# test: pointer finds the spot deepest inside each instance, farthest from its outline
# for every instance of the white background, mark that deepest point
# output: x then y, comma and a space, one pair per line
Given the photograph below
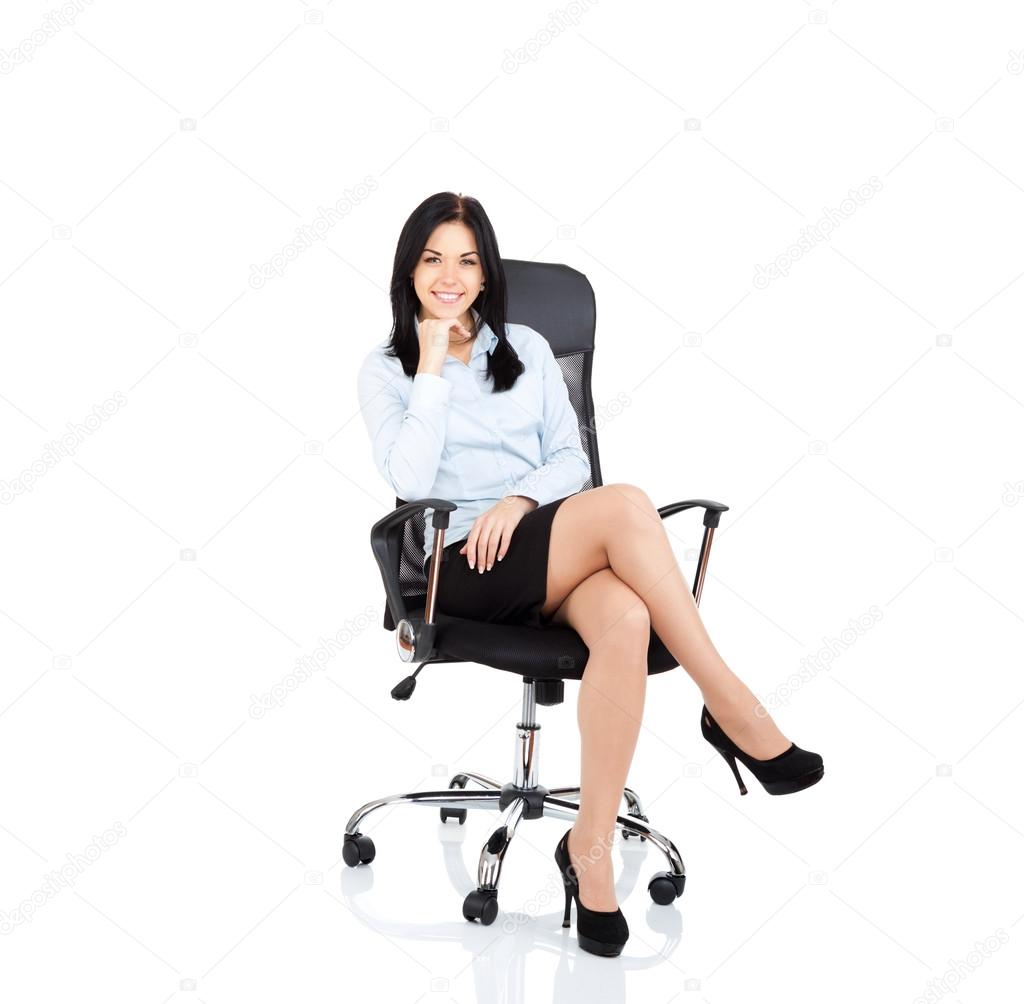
861, 415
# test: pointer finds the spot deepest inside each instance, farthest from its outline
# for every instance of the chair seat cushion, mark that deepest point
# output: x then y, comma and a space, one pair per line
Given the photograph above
555, 652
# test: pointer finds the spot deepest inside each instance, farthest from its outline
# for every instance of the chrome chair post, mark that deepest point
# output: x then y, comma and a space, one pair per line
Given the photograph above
527, 755
435, 571
702, 563
528, 716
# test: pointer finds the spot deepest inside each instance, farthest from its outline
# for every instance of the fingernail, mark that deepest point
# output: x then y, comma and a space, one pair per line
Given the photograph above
471, 563
489, 567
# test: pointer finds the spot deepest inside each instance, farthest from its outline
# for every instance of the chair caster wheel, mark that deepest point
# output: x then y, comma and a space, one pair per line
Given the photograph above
629, 834
665, 887
481, 905
358, 850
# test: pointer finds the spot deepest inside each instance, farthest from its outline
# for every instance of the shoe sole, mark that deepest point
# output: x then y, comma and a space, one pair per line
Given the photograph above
794, 784
597, 947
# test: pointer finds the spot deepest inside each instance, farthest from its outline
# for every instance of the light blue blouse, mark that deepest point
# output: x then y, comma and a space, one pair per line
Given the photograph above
451, 437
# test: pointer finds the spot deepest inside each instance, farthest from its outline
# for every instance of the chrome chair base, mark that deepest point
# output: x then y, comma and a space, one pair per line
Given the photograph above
522, 798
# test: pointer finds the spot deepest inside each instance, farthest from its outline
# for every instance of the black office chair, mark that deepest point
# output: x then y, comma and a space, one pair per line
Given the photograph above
558, 302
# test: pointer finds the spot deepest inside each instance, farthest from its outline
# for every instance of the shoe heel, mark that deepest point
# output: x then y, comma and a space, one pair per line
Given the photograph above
568, 905
730, 759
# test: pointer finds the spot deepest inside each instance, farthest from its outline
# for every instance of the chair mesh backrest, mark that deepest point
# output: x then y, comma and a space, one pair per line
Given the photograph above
534, 285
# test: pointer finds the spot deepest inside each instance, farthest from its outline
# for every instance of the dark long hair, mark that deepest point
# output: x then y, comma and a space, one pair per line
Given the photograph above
503, 364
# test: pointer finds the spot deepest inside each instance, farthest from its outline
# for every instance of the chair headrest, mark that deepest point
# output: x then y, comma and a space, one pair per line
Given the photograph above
555, 300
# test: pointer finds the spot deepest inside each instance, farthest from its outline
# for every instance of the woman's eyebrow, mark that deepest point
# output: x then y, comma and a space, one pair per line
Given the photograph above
463, 255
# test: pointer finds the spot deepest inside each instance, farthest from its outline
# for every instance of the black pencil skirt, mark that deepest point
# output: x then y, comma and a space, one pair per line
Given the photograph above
514, 590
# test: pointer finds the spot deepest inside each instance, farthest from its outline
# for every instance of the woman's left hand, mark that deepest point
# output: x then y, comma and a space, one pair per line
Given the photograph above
492, 531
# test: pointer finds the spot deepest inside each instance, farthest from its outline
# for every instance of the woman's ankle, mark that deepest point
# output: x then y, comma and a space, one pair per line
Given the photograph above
734, 699
746, 721
590, 856
589, 841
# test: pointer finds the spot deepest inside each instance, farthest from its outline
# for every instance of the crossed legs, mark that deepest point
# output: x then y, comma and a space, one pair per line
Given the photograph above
612, 575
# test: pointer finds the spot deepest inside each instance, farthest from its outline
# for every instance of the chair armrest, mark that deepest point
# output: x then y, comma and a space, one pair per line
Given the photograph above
712, 515
712, 510
386, 542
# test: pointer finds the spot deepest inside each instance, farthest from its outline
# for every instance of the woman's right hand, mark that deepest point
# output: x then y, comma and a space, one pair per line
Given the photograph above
434, 342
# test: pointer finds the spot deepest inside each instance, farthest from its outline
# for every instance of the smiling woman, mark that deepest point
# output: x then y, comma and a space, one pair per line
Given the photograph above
459, 404
449, 278
462, 405
451, 437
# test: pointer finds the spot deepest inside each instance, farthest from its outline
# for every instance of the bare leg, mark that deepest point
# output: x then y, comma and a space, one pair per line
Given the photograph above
617, 526
616, 628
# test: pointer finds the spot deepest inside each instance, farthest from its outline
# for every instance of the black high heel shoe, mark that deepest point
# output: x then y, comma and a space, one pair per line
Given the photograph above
792, 770
602, 932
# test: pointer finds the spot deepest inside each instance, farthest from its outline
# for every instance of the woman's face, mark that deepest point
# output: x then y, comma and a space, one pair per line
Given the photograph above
449, 264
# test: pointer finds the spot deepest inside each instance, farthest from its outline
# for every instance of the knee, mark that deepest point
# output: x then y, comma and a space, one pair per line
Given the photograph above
632, 500
630, 627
